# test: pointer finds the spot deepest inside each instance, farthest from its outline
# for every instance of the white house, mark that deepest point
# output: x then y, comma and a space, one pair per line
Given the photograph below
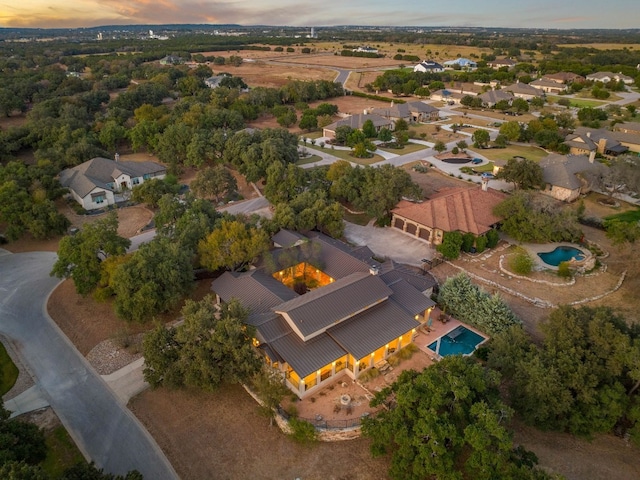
96, 183
429, 66
606, 77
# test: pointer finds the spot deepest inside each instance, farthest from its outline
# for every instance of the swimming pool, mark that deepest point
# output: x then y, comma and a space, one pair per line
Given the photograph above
561, 254
459, 341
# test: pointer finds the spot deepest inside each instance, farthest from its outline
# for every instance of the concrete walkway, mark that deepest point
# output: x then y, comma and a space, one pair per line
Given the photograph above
28, 401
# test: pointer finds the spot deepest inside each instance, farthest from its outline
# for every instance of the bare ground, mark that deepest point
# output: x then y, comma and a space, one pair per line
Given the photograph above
221, 435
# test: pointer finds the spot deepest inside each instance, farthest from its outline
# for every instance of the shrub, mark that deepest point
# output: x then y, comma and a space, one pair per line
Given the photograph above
564, 271
302, 431
468, 240
481, 243
521, 263
369, 374
492, 238
407, 352
455, 150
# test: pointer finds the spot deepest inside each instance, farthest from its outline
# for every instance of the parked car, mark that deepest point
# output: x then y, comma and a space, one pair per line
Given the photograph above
488, 175
477, 161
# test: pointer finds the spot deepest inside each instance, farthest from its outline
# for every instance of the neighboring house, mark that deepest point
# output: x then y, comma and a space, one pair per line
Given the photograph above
366, 49
449, 96
589, 141
96, 183
410, 111
428, 66
564, 77
171, 60
465, 210
357, 313
356, 122
214, 82
463, 63
501, 62
564, 177
606, 77
628, 127
491, 97
548, 86
524, 91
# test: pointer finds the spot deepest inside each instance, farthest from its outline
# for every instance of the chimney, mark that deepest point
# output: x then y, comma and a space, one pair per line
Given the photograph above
374, 270
589, 134
592, 156
117, 157
485, 184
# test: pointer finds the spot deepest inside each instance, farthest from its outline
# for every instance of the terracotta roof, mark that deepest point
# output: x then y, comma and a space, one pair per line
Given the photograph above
468, 210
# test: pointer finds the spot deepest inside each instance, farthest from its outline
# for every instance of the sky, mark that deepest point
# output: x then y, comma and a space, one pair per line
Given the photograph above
472, 13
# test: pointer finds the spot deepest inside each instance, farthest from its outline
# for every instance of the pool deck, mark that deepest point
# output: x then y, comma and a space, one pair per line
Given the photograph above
535, 248
427, 335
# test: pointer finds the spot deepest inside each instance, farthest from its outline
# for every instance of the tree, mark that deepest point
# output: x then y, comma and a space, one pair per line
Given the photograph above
401, 125
480, 138
212, 347
462, 145
20, 441
451, 245
524, 174
520, 105
215, 181
439, 146
385, 135
511, 130
308, 122
153, 281
446, 422
80, 255
270, 388
369, 129
232, 245
88, 471
152, 190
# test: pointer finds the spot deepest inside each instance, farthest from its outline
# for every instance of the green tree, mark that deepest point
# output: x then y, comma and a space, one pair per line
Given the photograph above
451, 245
80, 255
309, 121
153, 281
270, 388
111, 134
524, 174
20, 441
369, 129
439, 146
216, 181
212, 347
152, 190
401, 125
232, 245
446, 422
385, 135
511, 130
480, 138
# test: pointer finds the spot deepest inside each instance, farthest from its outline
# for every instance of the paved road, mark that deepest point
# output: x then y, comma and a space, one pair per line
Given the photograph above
104, 429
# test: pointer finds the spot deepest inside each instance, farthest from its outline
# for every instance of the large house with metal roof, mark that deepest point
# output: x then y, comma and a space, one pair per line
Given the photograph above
411, 112
95, 183
322, 309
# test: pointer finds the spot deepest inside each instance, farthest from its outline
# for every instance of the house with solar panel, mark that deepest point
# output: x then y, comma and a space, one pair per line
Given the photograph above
324, 310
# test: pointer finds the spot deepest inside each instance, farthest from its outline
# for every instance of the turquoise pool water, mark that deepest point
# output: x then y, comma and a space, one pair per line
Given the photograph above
459, 341
561, 254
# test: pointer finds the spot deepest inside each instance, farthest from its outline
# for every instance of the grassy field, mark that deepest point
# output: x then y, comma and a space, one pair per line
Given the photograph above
309, 159
346, 155
62, 453
529, 152
629, 217
408, 148
359, 219
578, 102
8, 371
601, 46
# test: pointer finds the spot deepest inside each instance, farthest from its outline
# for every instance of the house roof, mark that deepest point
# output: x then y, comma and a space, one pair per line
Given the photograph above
609, 75
404, 110
628, 127
561, 170
502, 62
428, 65
287, 238
563, 77
522, 89
372, 329
258, 291
463, 62
320, 308
543, 82
494, 96
307, 357
465, 210
391, 271
595, 135
99, 172
357, 121
410, 299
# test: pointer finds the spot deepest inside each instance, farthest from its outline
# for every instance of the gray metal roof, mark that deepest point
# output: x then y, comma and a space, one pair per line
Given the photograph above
310, 356
373, 329
315, 311
287, 238
391, 271
409, 298
274, 328
256, 291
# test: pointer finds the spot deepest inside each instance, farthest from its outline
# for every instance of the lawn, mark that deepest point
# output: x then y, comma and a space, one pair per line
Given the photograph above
504, 154
309, 159
9, 372
62, 452
408, 148
578, 102
346, 155
629, 216
357, 218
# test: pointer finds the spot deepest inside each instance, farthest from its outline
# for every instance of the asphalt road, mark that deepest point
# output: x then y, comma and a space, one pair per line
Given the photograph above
104, 429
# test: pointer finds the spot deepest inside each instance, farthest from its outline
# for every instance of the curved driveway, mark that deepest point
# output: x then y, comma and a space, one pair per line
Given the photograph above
104, 429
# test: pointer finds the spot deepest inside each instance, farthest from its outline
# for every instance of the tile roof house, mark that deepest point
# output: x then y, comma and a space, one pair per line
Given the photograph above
95, 183
465, 210
491, 97
589, 141
353, 315
548, 86
428, 66
564, 77
356, 122
564, 177
606, 77
524, 91
501, 62
410, 111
